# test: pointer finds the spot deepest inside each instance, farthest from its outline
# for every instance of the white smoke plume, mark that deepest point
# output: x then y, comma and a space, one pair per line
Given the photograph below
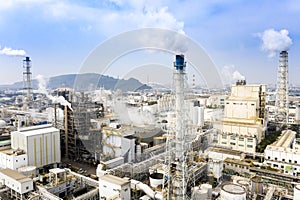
12, 52
230, 75
236, 75
274, 41
42, 83
133, 115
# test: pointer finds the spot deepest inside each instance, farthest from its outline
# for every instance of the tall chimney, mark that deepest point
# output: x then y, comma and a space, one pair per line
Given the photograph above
281, 101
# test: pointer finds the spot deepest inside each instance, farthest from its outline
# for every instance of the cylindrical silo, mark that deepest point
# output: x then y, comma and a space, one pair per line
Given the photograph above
200, 193
201, 116
207, 187
297, 115
296, 192
195, 115
138, 151
230, 191
28, 171
257, 185
244, 184
156, 179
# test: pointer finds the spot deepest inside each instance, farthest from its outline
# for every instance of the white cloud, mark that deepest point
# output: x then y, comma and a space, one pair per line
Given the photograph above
106, 19
230, 75
236, 75
6, 4
274, 41
12, 52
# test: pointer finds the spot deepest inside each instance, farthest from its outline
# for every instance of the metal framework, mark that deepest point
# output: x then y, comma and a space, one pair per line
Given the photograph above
281, 102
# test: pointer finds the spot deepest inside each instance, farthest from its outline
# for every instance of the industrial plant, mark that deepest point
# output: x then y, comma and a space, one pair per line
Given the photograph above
238, 143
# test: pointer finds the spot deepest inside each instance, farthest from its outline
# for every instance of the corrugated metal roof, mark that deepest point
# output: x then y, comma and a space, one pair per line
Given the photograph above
37, 130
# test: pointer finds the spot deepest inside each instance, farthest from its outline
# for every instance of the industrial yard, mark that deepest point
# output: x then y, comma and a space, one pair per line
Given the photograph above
149, 100
81, 148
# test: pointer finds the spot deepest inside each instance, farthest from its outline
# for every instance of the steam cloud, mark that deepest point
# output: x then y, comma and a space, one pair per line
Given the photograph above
42, 82
231, 75
132, 115
274, 41
12, 52
237, 76
176, 42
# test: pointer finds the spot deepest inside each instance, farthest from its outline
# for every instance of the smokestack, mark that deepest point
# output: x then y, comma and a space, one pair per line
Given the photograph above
27, 77
281, 102
179, 84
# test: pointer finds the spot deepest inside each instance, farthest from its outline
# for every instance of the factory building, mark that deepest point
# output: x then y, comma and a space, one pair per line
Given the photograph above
113, 187
19, 184
242, 127
41, 144
13, 159
297, 113
284, 154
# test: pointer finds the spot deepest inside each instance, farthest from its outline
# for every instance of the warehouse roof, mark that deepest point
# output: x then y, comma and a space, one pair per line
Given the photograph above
15, 175
37, 130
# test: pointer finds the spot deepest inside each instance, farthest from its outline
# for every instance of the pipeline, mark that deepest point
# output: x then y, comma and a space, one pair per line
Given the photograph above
137, 185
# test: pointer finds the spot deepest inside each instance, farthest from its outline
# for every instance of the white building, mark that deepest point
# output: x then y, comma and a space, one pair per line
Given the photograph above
284, 154
118, 141
16, 181
113, 187
242, 127
40, 143
13, 159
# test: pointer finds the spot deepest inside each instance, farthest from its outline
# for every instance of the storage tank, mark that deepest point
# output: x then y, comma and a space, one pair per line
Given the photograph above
28, 171
245, 184
257, 185
230, 191
201, 116
211, 179
296, 191
207, 187
200, 193
297, 114
156, 179
2, 123
138, 151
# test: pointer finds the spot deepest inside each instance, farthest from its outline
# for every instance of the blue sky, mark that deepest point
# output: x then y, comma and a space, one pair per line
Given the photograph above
59, 34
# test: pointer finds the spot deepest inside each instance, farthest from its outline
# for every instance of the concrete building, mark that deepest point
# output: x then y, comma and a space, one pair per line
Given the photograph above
233, 166
13, 159
40, 143
19, 184
242, 127
113, 187
284, 154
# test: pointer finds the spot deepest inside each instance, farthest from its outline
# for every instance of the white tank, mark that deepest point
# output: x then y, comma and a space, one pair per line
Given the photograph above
245, 184
2, 123
297, 114
232, 191
156, 179
28, 171
200, 193
296, 192
138, 150
207, 187
201, 116
256, 185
